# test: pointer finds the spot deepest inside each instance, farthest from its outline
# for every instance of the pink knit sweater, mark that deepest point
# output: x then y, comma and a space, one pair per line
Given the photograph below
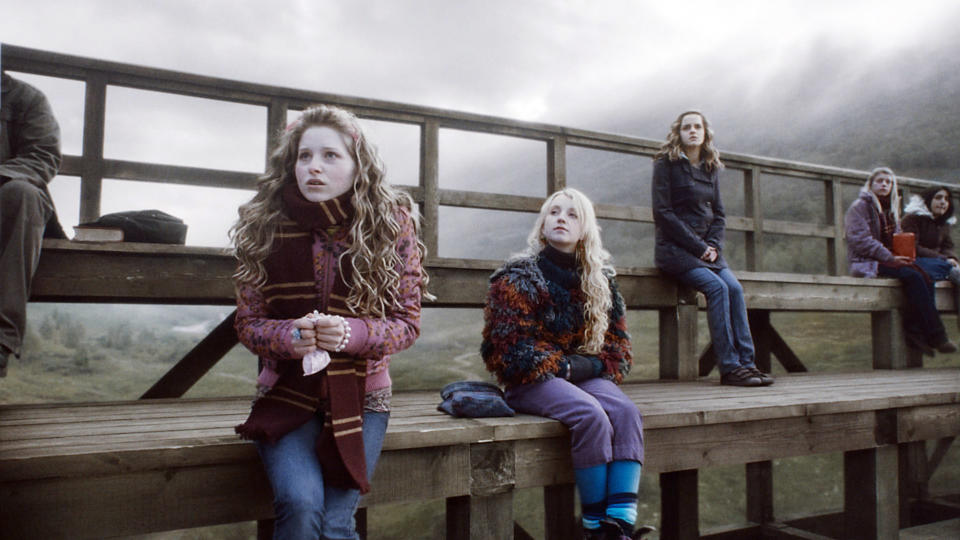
372, 338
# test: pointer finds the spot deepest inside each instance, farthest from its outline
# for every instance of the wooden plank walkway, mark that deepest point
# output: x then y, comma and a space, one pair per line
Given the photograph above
162, 460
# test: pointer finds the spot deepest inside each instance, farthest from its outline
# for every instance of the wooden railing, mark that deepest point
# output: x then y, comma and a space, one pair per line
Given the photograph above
92, 167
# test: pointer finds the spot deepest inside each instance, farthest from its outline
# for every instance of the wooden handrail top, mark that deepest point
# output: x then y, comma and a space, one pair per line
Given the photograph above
123, 272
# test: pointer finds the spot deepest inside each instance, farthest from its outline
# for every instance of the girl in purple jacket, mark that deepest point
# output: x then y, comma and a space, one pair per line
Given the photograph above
328, 287
871, 223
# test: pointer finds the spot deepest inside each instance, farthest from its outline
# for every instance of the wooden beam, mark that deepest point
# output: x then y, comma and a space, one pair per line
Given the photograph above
559, 521
430, 184
707, 361
889, 347
760, 491
556, 164
91, 177
834, 212
939, 452
196, 363
678, 342
752, 208
679, 505
871, 509
760, 330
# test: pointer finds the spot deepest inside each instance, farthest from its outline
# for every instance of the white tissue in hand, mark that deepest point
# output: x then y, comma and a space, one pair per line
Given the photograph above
315, 361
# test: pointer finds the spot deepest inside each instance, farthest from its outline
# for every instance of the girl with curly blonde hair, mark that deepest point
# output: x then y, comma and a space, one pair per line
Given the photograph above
555, 335
329, 285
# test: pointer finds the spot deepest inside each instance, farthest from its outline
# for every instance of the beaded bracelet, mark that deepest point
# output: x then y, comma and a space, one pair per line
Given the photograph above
345, 340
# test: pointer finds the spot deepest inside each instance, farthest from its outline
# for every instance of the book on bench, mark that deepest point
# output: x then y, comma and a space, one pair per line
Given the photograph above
97, 233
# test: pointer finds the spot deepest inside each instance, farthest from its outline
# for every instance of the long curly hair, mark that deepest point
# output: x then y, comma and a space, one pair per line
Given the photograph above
672, 149
374, 287
595, 267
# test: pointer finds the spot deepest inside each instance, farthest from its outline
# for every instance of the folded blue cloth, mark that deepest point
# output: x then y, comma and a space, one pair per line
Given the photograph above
473, 399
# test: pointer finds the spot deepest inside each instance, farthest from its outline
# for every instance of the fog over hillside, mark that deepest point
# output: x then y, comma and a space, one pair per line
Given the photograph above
834, 104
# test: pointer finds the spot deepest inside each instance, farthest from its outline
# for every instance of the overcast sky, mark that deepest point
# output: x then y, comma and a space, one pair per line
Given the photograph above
578, 63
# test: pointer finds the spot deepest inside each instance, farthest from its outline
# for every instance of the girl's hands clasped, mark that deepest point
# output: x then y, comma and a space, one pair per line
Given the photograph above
330, 331
320, 331
303, 339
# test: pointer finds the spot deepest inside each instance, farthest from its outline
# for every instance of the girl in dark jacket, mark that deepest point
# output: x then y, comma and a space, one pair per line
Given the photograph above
555, 335
929, 217
871, 222
690, 222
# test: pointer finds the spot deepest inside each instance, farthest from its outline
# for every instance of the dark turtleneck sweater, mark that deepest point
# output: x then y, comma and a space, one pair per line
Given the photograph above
562, 269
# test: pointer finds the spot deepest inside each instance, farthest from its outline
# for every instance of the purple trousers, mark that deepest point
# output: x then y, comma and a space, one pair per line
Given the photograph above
604, 424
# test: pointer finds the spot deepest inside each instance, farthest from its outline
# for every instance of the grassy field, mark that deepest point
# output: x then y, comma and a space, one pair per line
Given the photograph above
98, 353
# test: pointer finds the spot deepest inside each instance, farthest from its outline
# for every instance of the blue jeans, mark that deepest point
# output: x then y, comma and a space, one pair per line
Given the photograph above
937, 269
305, 508
726, 316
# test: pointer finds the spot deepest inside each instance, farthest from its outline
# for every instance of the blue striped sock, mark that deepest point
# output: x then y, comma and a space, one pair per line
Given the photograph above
623, 481
592, 485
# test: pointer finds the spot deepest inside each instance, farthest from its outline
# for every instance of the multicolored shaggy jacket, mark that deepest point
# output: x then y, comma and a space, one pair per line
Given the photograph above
372, 338
534, 316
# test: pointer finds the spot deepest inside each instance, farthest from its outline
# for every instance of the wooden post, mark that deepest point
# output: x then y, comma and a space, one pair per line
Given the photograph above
913, 476
759, 321
430, 183
678, 343
91, 176
760, 491
488, 511
751, 204
276, 122
558, 512
679, 511
556, 164
834, 212
870, 494
889, 348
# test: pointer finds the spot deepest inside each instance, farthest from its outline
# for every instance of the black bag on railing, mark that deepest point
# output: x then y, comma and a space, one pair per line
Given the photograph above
151, 226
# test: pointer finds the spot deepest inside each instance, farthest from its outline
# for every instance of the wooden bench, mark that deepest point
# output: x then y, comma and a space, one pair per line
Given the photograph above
104, 469
423, 440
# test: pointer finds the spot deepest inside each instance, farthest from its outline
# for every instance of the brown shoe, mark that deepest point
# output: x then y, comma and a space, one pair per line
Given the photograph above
917, 342
765, 378
740, 377
946, 347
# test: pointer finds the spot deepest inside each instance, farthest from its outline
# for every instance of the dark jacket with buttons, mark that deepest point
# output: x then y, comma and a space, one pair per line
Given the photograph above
688, 215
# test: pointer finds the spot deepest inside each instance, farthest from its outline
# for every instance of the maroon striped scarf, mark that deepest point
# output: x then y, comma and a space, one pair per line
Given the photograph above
291, 292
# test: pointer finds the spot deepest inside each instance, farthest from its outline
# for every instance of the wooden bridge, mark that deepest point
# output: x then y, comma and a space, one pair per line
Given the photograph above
94, 470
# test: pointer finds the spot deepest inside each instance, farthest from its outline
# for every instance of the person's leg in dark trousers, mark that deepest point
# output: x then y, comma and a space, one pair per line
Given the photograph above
24, 212
921, 318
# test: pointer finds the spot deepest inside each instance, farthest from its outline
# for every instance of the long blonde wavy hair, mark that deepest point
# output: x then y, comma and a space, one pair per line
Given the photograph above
672, 149
894, 193
374, 289
595, 267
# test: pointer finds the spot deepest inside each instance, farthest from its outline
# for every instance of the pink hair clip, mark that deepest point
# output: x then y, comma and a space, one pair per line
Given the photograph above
292, 125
